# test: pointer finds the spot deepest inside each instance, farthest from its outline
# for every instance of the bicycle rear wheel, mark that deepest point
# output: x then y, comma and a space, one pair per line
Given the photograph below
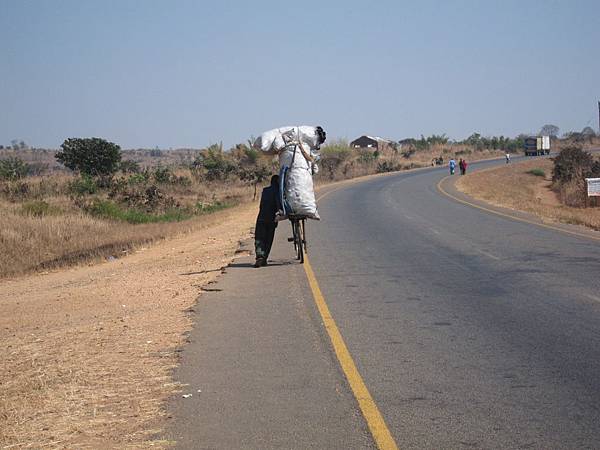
298, 241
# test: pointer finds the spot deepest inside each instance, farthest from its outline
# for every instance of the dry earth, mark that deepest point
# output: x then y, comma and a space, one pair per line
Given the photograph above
87, 352
511, 186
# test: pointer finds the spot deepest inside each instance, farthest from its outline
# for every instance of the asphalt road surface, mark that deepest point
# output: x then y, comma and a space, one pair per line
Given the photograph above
469, 329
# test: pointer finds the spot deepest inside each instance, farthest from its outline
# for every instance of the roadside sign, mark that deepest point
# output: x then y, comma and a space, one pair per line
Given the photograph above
593, 187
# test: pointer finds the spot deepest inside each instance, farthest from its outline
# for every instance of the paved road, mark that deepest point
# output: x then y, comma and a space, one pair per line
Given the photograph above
469, 329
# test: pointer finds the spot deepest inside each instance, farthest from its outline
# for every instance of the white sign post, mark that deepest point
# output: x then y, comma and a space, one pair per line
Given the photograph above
593, 187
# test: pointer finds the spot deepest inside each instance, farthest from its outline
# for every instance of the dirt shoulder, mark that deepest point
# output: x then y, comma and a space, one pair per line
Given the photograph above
514, 186
87, 352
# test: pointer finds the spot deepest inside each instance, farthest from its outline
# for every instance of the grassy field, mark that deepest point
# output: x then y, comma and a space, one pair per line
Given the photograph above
526, 187
59, 219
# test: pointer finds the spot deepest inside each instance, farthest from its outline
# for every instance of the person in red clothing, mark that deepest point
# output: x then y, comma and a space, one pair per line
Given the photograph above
463, 166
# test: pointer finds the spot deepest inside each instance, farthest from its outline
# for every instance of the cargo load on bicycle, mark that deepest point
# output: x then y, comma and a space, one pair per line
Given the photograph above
298, 152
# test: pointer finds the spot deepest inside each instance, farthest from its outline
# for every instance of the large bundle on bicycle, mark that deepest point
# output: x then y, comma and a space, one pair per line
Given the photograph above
298, 151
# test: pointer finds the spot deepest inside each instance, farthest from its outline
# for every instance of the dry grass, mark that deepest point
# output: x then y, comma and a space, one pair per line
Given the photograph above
68, 236
455, 151
512, 186
87, 353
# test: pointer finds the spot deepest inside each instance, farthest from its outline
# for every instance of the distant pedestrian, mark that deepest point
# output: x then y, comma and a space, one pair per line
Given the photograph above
264, 231
452, 165
463, 166
507, 157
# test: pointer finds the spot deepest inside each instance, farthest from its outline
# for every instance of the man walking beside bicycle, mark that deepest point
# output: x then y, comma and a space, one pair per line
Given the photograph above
264, 231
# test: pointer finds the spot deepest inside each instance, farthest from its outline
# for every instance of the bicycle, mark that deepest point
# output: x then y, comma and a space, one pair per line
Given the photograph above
298, 236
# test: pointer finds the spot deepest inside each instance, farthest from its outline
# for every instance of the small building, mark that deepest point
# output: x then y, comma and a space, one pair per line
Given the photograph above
374, 142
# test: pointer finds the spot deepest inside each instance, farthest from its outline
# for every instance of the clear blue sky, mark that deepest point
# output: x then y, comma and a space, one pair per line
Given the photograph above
192, 73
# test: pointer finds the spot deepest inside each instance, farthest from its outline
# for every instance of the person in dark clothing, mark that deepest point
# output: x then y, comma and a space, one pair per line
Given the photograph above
264, 231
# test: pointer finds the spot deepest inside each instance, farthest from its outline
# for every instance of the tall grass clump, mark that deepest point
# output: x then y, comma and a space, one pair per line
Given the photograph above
107, 209
537, 172
39, 208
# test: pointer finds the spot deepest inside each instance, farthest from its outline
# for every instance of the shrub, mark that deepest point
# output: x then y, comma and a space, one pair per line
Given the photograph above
215, 163
16, 190
181, 180
90, 156
572, 163
571, 166
408, 152
142, 197
39, 208
537, 172
367, 156
387, 166
139, 178
129, 166
162, 174
13, 168
333, 157
83, 185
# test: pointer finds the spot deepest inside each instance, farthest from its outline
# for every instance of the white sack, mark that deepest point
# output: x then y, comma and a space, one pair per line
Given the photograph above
299, 191
273, 141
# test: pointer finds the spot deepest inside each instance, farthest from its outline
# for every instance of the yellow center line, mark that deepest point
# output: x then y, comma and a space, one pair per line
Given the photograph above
381, 434
509, 216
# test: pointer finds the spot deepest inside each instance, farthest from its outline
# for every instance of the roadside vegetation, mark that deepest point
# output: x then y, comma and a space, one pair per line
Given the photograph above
90, 199
551, 188
106, 205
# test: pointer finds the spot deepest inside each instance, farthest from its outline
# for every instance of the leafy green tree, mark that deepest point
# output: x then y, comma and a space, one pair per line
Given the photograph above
90, 156
215, 163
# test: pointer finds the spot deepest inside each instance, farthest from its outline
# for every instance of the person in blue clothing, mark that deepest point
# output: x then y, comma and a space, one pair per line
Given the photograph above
264, 232
452, 165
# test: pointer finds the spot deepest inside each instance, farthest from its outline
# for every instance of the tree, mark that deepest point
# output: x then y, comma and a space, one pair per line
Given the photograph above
90, 156
549, 130
572, 163
254, 175
13, 169
588, 132
215, 163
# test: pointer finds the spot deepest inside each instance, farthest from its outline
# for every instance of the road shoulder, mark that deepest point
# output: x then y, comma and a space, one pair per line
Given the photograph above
447, 186
259, 371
